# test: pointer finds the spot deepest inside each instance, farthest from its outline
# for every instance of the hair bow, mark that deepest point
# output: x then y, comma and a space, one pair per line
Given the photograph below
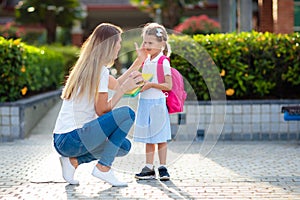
159, 32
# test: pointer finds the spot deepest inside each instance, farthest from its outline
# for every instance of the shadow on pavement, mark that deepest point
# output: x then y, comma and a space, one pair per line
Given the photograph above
176, 192
167, 187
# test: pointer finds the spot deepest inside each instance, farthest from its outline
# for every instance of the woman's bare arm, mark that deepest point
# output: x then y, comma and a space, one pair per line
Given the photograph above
104, 105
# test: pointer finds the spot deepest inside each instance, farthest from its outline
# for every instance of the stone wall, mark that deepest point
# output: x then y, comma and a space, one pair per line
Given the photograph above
236, 120
19, 117
232, 120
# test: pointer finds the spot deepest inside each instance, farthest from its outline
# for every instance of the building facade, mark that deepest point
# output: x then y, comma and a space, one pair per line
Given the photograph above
279, 16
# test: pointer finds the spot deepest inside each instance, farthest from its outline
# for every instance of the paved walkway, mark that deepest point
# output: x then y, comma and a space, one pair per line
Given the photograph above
233, 170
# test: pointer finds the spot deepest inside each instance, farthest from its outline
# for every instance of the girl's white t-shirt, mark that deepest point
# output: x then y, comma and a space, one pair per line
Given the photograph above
150, 67
75, 113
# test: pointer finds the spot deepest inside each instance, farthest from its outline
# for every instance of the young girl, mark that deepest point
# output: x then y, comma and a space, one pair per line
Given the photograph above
88, 126
152, 121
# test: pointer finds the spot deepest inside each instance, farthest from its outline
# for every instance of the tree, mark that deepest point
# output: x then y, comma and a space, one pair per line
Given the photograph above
50, 14
167, 12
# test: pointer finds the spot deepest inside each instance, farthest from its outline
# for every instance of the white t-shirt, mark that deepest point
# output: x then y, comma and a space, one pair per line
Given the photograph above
150, 67
74, 114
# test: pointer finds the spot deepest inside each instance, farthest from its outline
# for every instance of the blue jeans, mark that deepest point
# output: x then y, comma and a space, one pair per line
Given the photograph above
101, 139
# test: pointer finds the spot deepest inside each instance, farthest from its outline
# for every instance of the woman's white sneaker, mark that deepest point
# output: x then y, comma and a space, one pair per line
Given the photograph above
68, 170
108, 177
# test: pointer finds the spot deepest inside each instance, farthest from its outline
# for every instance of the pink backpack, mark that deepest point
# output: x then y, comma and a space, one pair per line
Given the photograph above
177, 95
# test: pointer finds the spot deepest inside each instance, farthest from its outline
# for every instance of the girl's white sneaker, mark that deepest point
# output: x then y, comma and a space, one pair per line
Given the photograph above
68, 170
108, 177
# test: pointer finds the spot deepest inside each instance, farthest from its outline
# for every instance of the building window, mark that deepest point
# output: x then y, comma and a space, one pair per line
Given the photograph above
297, 15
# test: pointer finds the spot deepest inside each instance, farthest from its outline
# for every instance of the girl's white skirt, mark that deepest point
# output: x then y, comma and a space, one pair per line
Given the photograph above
152, 124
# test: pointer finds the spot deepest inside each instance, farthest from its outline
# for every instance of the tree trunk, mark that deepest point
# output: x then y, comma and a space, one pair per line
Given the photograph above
50, 26
171, 12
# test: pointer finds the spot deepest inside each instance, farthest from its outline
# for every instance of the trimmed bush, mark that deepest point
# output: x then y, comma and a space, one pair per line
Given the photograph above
252, 65
70, 55
196, 66
26, 70
201, 24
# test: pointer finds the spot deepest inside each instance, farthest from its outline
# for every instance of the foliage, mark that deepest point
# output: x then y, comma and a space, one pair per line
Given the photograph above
34, 37
171, 10
50, 14
29, 35
252, 65
9, 30
69, 53
201, 24
26, 70
196, 66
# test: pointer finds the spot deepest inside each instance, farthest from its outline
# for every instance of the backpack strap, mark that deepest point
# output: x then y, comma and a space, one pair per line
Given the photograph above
160, 69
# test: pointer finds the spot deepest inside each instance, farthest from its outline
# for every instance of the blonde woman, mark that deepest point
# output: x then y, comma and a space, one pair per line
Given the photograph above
88, 127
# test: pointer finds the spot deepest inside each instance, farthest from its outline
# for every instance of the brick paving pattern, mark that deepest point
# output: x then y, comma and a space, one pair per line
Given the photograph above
232, 170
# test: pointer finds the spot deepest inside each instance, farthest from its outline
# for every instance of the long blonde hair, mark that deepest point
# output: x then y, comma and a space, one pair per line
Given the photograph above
160, 33
98, 50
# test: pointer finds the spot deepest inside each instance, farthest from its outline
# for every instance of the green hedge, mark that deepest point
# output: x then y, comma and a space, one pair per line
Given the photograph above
249, 65
252, 65
26, 70
70, 55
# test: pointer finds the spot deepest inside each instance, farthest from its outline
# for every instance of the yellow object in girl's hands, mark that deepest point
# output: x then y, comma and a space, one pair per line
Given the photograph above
136, 91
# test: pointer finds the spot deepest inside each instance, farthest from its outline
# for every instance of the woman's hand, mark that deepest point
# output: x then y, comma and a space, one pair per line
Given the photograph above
142, 55
103, 105
141, 52
133, 81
